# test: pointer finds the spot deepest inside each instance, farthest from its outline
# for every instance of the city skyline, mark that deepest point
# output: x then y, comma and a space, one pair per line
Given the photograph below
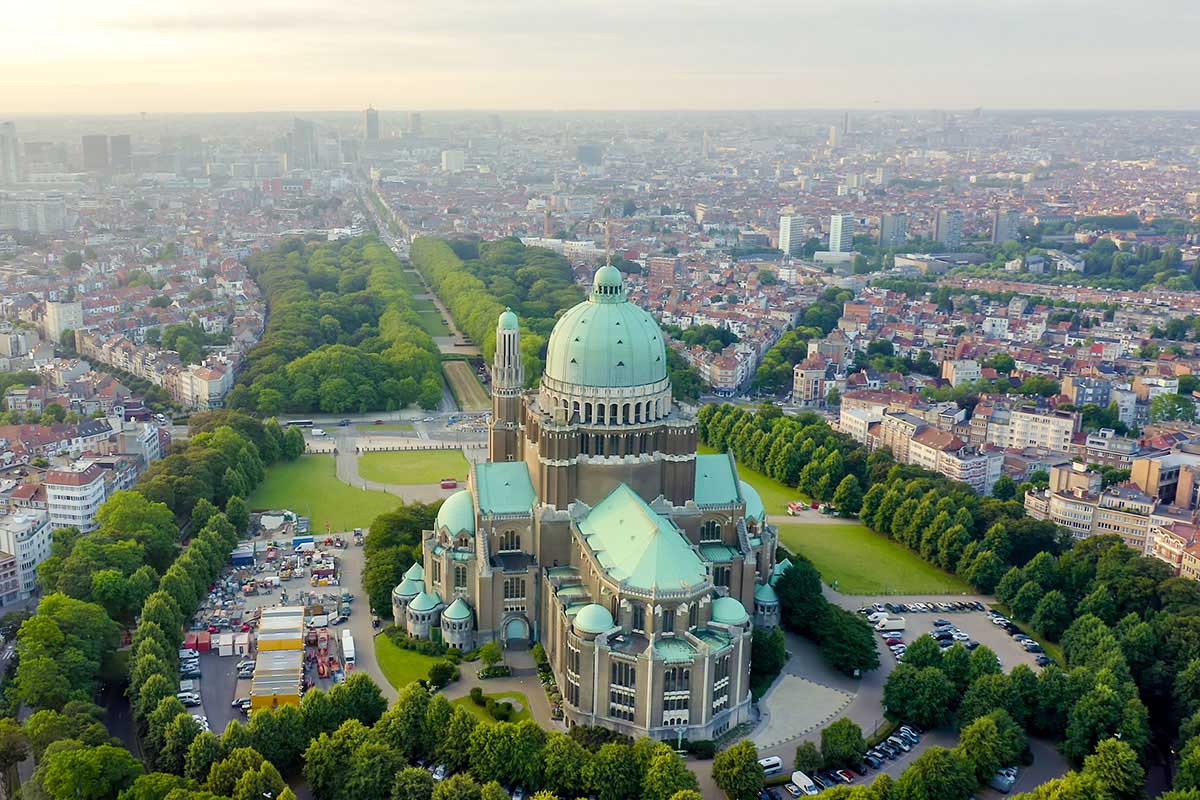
131, 57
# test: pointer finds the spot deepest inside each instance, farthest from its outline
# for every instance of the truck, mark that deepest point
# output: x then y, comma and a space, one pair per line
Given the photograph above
890, 624
348, 649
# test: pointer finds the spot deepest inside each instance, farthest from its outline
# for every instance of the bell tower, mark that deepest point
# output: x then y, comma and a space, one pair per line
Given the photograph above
508, 384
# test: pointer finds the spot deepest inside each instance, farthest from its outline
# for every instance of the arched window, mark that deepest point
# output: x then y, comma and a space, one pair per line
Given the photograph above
710, 531
600, 407
509, 541
460, 576
612, 414
625, 413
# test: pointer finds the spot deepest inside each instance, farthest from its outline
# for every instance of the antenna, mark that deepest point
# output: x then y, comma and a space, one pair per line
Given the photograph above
608, 242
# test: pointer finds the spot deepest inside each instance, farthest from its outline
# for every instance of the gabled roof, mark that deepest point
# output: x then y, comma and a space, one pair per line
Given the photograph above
504, 487
639, 547
716, 480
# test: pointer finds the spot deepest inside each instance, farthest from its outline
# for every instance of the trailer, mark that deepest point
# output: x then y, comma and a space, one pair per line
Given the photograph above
348, 649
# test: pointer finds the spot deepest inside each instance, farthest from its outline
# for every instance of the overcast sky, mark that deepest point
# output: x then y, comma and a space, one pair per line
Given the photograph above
123, 56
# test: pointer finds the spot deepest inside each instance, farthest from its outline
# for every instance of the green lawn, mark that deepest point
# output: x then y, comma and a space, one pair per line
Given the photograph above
412, 281
401, 667
309, 486
775, 495
433, 323
413, 466
387, 426
481, 713
863, 562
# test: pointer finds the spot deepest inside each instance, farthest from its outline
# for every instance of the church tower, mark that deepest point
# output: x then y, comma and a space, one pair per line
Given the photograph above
508, 385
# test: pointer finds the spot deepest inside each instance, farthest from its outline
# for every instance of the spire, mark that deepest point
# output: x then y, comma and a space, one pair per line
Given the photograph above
608, 242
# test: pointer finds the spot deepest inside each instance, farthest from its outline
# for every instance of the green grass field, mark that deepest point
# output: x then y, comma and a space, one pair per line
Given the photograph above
433, 323
409, 467
412, 281
401, 667
465, 385
863, 562
775, 495
309, 486
481, 713
387, 426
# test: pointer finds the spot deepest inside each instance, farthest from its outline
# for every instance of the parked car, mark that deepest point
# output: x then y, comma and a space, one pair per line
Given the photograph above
942, 623
189, 699
896, 741
1043, 660
873, 761
844, 776
192, 672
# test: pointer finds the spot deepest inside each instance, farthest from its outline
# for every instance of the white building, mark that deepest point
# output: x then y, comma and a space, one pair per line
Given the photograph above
790, 235
27, 536
947, 228
74, 496
453, 161
1052, 430
841, 233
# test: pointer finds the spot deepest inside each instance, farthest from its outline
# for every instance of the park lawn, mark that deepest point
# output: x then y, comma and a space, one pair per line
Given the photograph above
387, 426
465, 385
310, 487
483, 716
409, 467
864, 562
775, 494
423, 304
433, 323
401, 667
412, 281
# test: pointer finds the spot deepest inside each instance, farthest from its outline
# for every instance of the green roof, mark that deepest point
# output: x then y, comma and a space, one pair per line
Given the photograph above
416, 572
594, 618
409, 587
639, 547
425, 601
457, 513
458, 610
716, 480
606, 340
508, 321
754, 503
504, 487
780, 568
729, 611
765, 594
718, 553
673, 649
715, 639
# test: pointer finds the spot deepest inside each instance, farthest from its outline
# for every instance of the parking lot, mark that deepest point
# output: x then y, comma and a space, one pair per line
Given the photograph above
975, 624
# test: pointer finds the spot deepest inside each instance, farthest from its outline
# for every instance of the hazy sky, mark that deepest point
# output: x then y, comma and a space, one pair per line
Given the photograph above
122, 56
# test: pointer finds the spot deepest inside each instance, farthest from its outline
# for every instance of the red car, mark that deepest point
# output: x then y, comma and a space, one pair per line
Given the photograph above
844, 776
892, 641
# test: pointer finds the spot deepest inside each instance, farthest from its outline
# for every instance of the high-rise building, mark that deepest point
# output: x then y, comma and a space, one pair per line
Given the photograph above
706, 146
453, 161
95, 152
302, 145
1006, 225
414, 123
835, 136
662, 270
947, 228
841, 233
120, 151
590, 154
371, 125
61, 317
791, 238
10, 168
893, 230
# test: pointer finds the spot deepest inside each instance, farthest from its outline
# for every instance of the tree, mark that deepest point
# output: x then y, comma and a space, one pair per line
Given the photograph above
70, 772
564, 764
359, 698
1005, 488
922, 652
1052, 614
14, 748
979, 743
237, 513
847, 640
737, 771
458, 787
177, 739
154, 786
613, 772
255, 784
1026, 600
412, 783
491, 654
686, 794
1115, 765
936, 774
768, 653
842, 744
204, 751
373, 769
224, 775
847, 499
923, 695
666, 775
1172, 406
808, 758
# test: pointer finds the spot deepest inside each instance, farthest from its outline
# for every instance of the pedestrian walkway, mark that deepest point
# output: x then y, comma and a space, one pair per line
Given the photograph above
787, 718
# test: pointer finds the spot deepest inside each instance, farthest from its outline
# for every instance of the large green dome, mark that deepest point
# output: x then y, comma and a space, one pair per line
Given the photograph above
606, 341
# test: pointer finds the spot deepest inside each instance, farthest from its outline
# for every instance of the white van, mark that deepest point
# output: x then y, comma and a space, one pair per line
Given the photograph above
804, 783
890, 624
772, 765
318, 431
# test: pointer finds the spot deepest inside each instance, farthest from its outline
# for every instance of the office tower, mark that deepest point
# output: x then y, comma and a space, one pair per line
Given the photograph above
414, 123
893, 230
883, 177
590, 154
846, 123
302, 145
706, 146
1006, 225
120, 150
947, 228
95, 152
835, 136
453, 161
547, 224
841, 233
371, 124
10, 170
791, 238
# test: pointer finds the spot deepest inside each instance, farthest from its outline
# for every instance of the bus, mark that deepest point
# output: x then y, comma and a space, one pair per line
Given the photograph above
299, 423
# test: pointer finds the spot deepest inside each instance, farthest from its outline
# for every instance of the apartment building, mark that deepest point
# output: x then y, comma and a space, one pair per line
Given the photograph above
808, 383
74, 496
10, 579
1075, 501
960, 371
26, 537
1028, 427
913, 441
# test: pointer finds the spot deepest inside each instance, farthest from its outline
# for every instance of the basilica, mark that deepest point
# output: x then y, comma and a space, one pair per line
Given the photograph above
596, 529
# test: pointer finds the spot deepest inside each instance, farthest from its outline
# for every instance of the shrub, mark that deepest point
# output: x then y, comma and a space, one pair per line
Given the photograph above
442, 673
703, 749
477, 696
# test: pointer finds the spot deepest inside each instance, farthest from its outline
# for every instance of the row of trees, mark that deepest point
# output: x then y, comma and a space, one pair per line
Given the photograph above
343, 334
845, 639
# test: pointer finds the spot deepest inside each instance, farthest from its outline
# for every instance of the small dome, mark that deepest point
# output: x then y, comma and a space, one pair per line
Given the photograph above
765, 594
457, 611
409, 587
608, 280
754, 503
729, 611
593, 618
508, 321
425, 601
457, 513
416, 572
